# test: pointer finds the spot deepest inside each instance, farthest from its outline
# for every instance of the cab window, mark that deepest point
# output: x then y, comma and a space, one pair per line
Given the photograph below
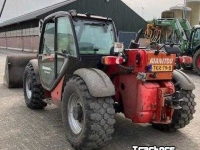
94, 37
65, 37
197, 35
48, 40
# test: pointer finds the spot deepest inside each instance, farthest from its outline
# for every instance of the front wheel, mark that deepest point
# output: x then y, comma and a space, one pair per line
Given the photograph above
196, 62
33, 92
88, 121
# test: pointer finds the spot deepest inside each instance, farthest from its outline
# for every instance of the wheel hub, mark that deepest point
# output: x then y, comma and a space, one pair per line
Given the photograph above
75, 113
78, 112
28, 87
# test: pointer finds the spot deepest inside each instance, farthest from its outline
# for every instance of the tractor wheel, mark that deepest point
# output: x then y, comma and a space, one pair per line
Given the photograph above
88, 121
181, 117
196, 62
185, 67
33, 92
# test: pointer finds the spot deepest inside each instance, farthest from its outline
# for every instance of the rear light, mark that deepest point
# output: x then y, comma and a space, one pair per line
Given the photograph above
184, 60
112, 60
179, 60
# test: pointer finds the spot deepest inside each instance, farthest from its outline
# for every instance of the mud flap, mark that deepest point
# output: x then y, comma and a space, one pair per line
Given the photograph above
184, 81
98, 83
14, 69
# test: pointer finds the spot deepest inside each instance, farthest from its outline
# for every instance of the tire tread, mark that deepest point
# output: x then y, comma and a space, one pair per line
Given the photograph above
37, 92
99, 130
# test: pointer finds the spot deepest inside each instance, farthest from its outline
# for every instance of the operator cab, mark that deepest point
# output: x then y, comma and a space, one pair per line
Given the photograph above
70, 41
195, 37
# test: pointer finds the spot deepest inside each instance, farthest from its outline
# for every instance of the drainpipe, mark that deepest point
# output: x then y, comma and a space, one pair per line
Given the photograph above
22, 39
6, 39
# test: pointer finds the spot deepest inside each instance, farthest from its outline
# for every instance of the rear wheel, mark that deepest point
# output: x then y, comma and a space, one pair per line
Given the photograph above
181, 117
88, 121
33, 92
196, 62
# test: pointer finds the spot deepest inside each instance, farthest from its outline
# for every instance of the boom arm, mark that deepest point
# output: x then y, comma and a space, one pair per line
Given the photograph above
167, 27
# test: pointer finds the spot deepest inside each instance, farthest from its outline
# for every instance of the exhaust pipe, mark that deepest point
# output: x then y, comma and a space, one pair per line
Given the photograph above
14, 69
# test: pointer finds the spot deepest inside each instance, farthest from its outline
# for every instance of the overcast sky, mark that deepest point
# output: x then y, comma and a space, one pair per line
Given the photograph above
148, 9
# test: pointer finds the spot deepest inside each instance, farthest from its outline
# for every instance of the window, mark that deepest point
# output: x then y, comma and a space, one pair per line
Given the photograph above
197, 34
94, 37
48, 40
65, 38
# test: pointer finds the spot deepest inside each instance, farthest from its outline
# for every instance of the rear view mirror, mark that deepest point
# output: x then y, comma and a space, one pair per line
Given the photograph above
118, 47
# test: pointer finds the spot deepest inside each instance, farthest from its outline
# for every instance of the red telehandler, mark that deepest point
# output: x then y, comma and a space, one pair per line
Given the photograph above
81, 67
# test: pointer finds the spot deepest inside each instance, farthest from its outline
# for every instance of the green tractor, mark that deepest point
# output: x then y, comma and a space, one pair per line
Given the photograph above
194, 48
178, 31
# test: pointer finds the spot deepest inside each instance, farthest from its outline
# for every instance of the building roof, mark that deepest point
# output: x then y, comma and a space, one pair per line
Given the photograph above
131, 22
35, 14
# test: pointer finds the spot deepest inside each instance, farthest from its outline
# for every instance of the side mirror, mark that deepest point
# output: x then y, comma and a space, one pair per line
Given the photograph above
135, 43
41, 22
118, 47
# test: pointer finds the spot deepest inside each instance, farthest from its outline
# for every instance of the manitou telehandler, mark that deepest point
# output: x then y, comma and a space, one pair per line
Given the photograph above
82, 67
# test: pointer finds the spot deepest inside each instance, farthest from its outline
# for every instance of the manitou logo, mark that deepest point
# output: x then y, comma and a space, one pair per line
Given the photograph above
46, 68
161, 61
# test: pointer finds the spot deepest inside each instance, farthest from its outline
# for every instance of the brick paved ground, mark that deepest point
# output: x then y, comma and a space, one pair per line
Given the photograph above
23, 129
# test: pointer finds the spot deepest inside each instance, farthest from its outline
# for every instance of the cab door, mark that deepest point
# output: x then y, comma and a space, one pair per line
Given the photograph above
57, 49
47, 55
65, 43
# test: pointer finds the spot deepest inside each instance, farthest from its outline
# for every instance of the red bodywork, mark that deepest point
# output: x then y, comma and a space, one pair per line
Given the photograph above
144, 102
56, 94
185, 60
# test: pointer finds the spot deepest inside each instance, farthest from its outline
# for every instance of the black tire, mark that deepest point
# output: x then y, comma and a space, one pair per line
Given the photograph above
181, 117
97, 117
187, 67
196, 58
33, 100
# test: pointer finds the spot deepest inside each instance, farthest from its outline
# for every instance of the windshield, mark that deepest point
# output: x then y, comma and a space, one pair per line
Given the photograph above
94, 37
